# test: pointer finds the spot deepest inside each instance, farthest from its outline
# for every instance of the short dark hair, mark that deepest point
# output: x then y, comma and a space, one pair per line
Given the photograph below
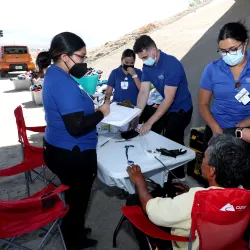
144, 42
43, 61
63, 43
229, 156
128, 53
234, 30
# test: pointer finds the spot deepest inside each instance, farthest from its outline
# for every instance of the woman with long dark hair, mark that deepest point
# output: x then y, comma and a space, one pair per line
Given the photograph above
70, 139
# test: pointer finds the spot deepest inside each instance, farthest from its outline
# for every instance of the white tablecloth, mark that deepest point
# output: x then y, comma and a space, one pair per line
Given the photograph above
112, 161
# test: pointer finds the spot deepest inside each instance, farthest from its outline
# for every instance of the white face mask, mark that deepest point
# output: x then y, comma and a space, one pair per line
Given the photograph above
233, 60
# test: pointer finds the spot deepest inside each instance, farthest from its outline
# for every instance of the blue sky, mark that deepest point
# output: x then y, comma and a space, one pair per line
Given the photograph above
97, 21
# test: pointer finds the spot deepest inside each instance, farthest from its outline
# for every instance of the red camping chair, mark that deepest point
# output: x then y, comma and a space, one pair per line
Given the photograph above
220, 216
30, 153
30, 214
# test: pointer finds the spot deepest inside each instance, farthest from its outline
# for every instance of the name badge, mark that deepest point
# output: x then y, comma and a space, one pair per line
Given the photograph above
243, 96
124, 85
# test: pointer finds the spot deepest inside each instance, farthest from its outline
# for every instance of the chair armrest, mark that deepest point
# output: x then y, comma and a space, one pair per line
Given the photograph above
137, 217
18, 169
40, 129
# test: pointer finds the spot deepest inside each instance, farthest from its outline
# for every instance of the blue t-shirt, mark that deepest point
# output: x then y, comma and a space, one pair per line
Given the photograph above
62, 96
124, 85
169, 72
218, 78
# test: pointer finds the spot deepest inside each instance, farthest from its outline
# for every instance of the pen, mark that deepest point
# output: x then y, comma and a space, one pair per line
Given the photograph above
104, 143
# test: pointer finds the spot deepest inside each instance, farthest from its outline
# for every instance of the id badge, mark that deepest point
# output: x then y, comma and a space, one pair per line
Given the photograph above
124, 85
243, 96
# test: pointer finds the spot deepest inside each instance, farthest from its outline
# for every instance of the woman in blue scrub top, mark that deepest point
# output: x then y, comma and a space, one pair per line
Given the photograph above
125, 80
70, 139
226, 80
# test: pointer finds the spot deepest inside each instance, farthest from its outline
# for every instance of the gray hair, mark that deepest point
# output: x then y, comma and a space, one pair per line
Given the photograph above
229, 156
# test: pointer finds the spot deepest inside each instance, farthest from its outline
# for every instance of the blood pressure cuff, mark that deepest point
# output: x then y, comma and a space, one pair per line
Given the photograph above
129, 134
172, 153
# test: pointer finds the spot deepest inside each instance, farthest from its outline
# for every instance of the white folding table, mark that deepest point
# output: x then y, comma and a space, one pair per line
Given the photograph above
112, 161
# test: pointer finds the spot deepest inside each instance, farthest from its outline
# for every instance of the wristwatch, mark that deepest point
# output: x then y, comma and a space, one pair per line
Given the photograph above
238, 132
134, 76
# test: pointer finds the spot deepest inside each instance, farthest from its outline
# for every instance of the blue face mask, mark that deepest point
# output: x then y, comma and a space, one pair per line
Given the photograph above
233, 60
150, 61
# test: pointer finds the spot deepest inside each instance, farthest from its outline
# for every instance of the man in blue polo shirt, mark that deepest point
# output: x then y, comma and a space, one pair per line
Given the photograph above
167, 75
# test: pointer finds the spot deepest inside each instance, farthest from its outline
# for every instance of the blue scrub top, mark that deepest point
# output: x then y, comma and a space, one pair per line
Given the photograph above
218, 78
62, 96
169, 72
124, 85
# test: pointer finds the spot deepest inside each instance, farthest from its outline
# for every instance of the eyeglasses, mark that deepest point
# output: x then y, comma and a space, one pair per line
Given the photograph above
84, 58
232, 51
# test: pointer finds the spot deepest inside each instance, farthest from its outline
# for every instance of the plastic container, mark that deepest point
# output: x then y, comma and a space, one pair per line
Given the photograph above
38, 96
125, 127
114, 129
102, 128
88, 83
22, 84
32, 96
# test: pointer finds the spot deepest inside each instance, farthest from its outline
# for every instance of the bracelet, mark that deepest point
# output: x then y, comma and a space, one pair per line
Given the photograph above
134, 76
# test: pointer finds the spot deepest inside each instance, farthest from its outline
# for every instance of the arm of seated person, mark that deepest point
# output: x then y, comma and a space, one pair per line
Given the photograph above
77, 124
137, 178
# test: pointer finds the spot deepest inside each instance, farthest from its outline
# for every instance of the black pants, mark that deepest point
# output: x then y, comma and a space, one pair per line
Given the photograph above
77, 170
134, 200
172, 125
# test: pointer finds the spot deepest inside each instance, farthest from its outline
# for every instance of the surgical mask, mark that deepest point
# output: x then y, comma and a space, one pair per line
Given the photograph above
126, 66
150, 61
233, 60
78, 70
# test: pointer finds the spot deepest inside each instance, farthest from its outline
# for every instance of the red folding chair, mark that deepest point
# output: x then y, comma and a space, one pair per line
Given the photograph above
219, 216
35, 212
30, 153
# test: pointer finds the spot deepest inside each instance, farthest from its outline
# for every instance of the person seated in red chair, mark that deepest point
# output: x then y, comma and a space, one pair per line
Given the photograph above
224, 165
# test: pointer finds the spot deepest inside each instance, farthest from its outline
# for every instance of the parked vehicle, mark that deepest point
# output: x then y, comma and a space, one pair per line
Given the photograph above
15, 58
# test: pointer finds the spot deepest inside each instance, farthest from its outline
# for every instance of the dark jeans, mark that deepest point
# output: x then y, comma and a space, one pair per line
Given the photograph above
172, 125
134, 200
77, 170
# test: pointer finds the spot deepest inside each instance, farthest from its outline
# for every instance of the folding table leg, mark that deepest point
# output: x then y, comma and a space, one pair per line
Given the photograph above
123, 218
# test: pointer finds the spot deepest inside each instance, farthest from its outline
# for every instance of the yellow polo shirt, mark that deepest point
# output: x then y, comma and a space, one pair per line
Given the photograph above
175, 213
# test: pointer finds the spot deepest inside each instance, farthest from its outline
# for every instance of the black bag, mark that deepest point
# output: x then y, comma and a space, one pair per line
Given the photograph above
129, 134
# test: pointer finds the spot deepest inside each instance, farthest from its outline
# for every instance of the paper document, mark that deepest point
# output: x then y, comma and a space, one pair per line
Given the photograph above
120, 116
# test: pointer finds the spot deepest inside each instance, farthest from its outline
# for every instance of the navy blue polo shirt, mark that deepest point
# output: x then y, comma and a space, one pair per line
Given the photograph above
124, 85
218, 78
62, 96
169, 72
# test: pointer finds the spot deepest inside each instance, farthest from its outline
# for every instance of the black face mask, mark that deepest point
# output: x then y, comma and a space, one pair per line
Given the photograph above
126, 66
78, 70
